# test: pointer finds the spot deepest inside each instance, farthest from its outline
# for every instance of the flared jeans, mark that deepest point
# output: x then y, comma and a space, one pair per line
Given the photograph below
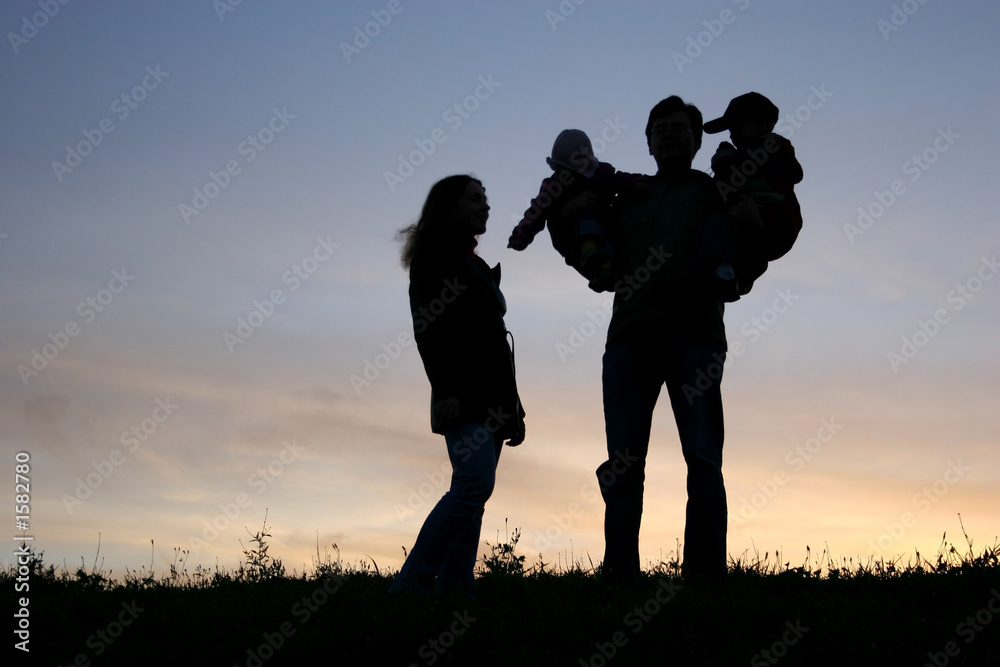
444, 556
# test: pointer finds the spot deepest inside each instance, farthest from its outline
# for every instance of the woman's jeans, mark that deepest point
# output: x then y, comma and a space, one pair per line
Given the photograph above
448, 542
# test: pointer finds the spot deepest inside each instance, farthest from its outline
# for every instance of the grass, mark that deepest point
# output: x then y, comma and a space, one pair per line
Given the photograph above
825, 611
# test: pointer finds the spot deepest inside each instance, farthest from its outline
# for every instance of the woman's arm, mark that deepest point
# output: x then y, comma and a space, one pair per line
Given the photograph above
438, 301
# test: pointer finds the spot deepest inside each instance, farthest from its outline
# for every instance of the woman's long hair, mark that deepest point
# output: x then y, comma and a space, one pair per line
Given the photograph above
437, 215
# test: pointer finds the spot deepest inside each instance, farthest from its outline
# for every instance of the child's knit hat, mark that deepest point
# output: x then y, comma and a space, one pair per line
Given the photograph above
572, 150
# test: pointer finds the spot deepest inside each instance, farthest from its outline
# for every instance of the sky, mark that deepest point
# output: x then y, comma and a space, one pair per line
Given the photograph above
205, 320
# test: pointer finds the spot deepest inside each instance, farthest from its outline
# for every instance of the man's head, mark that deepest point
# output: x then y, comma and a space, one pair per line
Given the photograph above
673, 133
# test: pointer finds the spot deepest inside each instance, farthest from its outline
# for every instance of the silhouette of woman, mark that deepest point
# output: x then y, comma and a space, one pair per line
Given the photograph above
458, 326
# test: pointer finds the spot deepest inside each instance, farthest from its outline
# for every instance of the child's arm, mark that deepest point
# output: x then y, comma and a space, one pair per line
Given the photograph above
782, 165
533, 220
723, 160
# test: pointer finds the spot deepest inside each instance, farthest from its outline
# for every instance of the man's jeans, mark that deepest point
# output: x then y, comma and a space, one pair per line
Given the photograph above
448, 542
634, 372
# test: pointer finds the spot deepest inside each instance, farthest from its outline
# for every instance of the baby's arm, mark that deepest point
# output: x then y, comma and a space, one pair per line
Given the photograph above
534, 218
782, 166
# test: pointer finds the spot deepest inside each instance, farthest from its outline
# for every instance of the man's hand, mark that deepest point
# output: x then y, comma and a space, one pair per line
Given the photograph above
518, 437
640, 188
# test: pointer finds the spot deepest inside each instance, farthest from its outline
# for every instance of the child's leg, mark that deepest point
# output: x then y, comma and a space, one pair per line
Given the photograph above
596, 254
760, 245
568, 243
593, 240
782, 223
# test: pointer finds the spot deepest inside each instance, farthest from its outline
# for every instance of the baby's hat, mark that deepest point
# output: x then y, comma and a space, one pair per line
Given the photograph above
572, 150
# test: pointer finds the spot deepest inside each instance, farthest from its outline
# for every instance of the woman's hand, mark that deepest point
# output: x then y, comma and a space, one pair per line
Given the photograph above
446, 410
517, 438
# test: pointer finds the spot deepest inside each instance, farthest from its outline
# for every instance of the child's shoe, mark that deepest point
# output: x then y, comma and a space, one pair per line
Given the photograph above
593, 259
722, 284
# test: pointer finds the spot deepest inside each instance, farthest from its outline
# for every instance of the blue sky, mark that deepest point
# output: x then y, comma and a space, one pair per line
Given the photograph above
288, 135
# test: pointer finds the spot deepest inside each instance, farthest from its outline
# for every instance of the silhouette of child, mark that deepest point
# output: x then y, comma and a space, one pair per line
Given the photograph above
758, 165
584, 240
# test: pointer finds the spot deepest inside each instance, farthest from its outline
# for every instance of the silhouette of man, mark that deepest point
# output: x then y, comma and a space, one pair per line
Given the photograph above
665, 331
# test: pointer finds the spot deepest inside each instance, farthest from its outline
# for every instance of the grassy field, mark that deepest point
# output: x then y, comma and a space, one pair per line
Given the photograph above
939, 611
